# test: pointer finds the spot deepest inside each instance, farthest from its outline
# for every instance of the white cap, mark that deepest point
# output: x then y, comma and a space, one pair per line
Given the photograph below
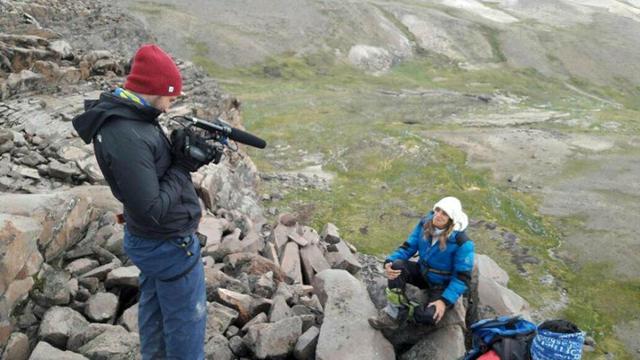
453, 208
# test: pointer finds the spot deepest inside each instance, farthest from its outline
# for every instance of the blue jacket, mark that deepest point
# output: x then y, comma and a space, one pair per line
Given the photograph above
450, 267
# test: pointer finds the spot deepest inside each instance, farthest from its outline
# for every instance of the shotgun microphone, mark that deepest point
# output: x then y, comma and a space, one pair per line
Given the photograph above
221, 127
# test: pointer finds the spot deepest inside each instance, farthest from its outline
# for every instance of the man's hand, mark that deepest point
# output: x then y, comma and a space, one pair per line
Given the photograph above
440, 308
181, 142
391, 273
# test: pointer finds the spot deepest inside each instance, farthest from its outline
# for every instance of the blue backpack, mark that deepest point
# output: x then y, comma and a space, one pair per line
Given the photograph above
510, 337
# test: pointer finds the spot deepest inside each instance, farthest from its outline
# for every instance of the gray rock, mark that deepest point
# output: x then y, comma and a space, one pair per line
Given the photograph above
443, 344
101, 306
343, 258
219, 317
6, 135
237, 346
62, 48
25, 80
101, 272
17, 347
258, 319
345, 332
497, 300
62, 171
217, 348
231, 331
58, 323
273, 339
114, 344
290, 263
264, 286
44, 351
81, 266
33, 159
129, 318
370, 58
490, 269
330, 234
279, 309
305, 348
246, 305
54, 290
123, 276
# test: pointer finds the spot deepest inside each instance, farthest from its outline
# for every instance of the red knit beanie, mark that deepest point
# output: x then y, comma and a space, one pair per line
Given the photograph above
153, 72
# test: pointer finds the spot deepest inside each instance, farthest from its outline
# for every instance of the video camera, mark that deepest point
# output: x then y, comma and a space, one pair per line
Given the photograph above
219, 133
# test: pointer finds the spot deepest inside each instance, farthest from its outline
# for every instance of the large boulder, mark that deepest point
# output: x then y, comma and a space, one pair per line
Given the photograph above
444, 344
345, 332
497, 300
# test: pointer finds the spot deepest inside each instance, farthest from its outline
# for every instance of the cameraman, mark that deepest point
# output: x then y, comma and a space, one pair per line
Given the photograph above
150, 175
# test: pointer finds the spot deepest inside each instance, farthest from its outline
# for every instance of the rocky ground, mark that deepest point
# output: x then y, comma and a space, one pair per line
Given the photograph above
67, 290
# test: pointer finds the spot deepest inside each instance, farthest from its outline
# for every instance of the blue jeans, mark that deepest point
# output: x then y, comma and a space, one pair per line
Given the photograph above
172, 312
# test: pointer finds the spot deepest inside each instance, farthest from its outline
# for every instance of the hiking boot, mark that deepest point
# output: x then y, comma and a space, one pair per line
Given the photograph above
384, 321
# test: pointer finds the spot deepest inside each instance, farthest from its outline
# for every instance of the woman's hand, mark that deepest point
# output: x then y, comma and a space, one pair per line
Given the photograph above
391, 273
440, 308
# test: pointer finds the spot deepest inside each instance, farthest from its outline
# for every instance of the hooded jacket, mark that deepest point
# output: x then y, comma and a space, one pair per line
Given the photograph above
134, 155
450, 268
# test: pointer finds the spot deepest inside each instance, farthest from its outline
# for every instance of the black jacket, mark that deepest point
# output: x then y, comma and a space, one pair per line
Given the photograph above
134, 154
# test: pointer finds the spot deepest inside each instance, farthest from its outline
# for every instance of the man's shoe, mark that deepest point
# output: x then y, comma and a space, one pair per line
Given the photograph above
384, 321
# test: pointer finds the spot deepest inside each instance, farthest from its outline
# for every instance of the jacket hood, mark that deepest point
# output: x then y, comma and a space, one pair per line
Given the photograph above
453, 208
97, 112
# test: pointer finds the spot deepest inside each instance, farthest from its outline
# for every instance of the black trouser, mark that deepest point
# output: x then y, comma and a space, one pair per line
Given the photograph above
411, 275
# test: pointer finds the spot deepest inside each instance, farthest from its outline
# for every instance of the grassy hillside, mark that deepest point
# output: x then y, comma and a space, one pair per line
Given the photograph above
373, 134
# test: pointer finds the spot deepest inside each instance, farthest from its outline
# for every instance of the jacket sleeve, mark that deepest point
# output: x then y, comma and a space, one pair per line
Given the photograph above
461, 274
144, 195
409, 247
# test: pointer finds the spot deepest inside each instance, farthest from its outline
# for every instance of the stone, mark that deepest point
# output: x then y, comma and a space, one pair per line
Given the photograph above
115, 243
287, 219
290, 263
62, 48
81, 266
58, 324
215, 279
101, 272
345, 332
19, 236
114, 344
296, 237
62, 171
251, 243
313, 261
264, 286
17, 292
305, 348
497, 300
443, 344
25, 80
279, 309
27, 172
44, 351
212, 228
89, 283
272, 340
271, 253
279, 237
217, 348
53, 289
246, 305
258, 319
219, 317
310, 234
129, 319
17, 347
311, 302
490, 269
330, 234
237, 346
253, 264
232, 331
101, 306
343, 258
123, 276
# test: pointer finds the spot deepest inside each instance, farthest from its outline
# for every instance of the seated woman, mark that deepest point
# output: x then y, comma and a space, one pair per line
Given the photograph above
443, 268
